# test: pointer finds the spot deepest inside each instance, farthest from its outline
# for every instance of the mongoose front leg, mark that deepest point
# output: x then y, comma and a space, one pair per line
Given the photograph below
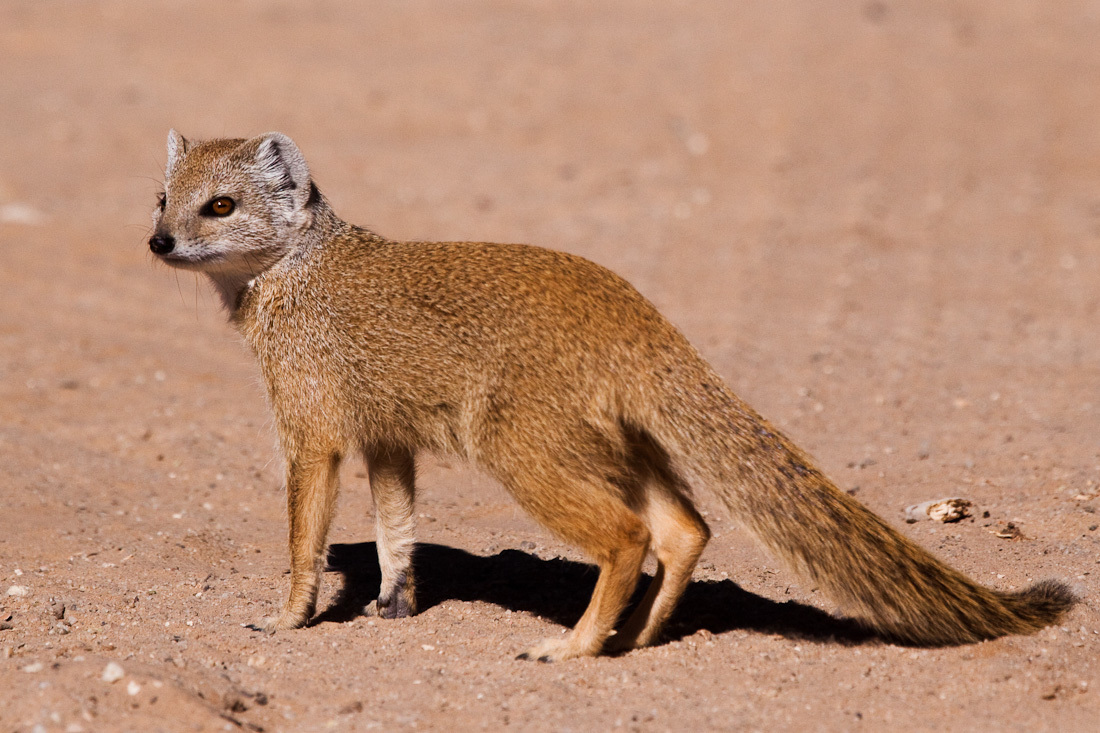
311, 488
392, 482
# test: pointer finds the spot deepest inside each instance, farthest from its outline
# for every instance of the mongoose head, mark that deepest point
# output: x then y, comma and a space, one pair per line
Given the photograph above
232, 208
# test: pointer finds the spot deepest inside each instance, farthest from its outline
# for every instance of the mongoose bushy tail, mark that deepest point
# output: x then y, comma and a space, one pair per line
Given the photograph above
877, 575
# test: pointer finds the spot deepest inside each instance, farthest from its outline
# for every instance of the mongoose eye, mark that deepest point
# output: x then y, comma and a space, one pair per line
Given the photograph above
162, 199
220, 206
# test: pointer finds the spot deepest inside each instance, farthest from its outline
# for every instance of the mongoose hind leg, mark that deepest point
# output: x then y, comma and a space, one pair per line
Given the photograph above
679, 535
588, 513
392, 482
311, 488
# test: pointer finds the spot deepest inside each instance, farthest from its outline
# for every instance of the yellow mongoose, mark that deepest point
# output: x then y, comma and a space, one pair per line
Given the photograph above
549, 372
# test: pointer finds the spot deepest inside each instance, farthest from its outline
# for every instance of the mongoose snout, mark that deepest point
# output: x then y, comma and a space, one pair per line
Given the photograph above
162, 244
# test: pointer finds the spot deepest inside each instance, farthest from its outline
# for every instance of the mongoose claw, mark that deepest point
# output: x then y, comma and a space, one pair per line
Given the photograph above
263, 628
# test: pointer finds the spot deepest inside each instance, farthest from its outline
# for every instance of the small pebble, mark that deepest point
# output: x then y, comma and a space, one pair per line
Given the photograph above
113, 672
133, 688
33, 667
940, 510
19, 591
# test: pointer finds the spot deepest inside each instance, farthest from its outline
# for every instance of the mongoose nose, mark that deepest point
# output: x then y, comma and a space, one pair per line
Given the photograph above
162, 244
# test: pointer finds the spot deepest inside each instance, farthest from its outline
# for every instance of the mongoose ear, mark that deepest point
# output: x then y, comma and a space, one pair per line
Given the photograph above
177, 147
281, 165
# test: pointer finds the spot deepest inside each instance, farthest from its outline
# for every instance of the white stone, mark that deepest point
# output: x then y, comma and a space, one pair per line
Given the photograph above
113, 672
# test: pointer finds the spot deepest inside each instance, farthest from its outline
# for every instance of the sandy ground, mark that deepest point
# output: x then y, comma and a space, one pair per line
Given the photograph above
879, 220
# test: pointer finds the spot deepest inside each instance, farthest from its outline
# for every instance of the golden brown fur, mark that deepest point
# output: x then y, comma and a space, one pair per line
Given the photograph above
549, 372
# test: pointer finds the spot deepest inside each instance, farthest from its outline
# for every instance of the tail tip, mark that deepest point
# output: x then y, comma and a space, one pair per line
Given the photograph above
1050, 598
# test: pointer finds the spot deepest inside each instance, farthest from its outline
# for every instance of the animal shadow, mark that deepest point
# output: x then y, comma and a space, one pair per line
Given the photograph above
559, 590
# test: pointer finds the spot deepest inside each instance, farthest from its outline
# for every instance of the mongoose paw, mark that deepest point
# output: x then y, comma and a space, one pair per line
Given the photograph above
556, 650
264, 627
282, 622
399, 602
396, 606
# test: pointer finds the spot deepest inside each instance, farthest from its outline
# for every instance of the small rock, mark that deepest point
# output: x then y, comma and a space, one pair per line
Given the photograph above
133, 688
19, 591
33, 667
1010, 532
940, 510
57, 608
113, 672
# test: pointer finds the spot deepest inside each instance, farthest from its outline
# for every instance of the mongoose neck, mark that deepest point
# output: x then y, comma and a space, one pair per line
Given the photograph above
321, 225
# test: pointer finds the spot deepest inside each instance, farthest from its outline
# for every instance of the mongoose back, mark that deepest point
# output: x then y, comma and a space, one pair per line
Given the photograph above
550, 373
